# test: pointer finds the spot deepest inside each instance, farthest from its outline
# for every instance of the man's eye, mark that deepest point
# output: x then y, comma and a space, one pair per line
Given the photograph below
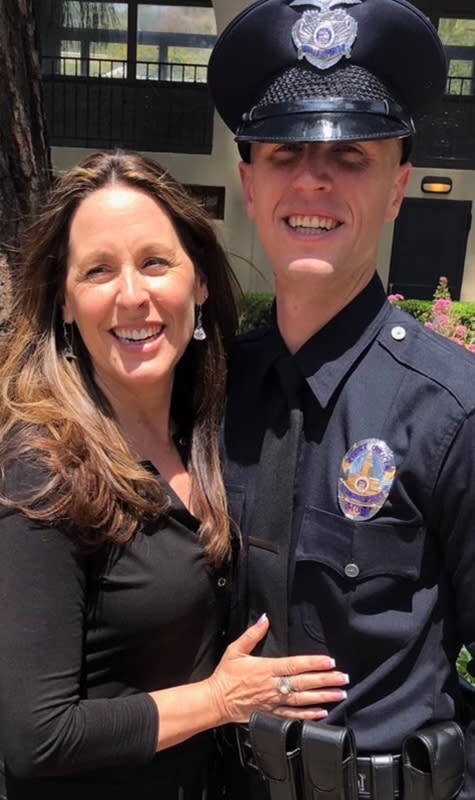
289, 149
351, 152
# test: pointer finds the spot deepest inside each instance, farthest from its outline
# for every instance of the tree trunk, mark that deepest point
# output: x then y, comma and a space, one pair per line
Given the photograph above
25, 168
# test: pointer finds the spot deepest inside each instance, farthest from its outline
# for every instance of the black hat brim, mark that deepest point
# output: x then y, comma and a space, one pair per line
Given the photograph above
330, 127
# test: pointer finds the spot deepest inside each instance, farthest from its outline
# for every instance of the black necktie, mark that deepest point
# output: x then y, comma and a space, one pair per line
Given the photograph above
271, 533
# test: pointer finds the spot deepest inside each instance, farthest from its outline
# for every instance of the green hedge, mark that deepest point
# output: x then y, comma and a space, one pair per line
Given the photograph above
256, 310
416, 308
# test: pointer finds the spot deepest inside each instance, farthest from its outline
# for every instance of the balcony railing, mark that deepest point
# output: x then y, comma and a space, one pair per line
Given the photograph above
71, 66
94, 103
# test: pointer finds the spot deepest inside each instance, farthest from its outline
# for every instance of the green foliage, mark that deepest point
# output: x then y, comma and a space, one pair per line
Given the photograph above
256, 311
456, 321
416, 308
462, 662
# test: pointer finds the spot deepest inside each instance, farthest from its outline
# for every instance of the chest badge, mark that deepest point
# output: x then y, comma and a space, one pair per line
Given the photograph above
325, 36
366, 476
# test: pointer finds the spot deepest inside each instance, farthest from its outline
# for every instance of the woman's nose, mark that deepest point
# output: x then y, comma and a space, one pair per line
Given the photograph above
132, 288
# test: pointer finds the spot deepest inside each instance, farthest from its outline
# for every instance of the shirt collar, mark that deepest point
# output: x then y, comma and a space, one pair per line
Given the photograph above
326, 357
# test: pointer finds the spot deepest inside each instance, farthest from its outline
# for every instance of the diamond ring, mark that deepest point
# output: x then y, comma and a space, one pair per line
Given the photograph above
284, 685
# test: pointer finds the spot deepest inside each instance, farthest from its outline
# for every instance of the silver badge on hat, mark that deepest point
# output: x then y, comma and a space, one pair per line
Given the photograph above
366, 476
325, 36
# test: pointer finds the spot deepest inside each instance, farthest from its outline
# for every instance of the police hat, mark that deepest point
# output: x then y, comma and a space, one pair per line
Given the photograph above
325, 70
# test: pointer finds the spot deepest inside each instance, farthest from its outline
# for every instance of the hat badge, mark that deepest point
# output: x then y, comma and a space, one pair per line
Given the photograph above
325, 36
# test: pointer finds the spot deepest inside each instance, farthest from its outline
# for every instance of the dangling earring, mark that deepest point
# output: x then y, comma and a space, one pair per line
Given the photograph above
199, 333
68, 336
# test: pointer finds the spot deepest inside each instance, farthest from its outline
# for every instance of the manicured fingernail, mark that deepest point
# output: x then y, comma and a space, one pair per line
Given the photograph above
262, 619
322, 714
332, 662
343, 694
346, 677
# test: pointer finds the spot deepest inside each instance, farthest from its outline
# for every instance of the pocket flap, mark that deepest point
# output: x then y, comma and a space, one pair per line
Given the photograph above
368, 548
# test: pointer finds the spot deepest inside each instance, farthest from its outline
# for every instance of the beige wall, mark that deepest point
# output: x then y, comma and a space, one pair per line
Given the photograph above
237, 233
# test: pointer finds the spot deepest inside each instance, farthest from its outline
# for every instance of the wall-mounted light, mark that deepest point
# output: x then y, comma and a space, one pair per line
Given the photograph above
436, 185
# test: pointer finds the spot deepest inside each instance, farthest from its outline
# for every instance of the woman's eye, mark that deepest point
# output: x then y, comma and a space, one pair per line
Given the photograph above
96, 271
156, 262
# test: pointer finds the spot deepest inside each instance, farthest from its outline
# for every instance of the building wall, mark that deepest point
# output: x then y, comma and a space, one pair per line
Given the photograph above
237, 232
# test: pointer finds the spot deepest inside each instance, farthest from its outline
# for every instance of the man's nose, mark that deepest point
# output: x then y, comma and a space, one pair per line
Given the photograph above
313, 171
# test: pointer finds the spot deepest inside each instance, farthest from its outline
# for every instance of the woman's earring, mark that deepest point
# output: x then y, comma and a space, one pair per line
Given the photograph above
199, 333
68, 336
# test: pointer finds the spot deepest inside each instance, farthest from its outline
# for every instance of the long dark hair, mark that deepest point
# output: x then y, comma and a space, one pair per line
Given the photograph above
53, 413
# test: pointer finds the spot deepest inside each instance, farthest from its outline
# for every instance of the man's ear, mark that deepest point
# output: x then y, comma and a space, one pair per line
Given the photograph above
246, 174
398, 191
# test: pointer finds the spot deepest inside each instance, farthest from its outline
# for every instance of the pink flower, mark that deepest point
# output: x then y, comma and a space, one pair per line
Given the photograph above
441, 306
394, 298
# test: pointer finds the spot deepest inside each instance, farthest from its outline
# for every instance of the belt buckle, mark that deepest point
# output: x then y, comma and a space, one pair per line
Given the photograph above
244, 748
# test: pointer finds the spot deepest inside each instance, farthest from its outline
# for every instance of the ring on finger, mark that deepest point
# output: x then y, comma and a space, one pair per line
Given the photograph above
284, 685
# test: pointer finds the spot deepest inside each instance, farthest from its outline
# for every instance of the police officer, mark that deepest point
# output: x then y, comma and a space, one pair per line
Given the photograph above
350, 427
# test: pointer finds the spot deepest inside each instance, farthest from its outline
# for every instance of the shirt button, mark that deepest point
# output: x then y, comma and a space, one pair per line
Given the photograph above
398, 333
352, 570
222, 582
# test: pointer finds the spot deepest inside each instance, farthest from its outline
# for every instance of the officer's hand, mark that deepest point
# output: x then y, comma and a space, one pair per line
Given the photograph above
293, 686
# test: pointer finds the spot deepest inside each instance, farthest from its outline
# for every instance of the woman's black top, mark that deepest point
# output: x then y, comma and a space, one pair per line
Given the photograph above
84, 638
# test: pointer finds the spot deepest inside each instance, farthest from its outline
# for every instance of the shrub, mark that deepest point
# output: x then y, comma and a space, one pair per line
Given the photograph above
463, 661
256, 311
454, 320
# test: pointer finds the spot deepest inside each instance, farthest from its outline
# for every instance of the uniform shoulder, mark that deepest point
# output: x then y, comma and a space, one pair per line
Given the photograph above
436, 357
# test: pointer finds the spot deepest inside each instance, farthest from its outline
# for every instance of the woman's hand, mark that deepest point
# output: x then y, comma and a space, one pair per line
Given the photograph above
293, 686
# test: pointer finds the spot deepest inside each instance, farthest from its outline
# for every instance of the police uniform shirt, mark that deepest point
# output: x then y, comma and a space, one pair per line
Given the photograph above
390, 598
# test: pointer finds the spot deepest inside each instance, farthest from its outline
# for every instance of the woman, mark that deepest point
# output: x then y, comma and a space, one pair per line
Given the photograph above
114, 535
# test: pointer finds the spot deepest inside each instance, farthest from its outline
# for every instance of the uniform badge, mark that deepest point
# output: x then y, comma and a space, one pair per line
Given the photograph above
325, 36
366, 476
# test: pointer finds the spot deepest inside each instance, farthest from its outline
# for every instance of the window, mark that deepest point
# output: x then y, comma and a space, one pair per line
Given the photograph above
210, 197
166, 41
458, 36
174, 42
129, 74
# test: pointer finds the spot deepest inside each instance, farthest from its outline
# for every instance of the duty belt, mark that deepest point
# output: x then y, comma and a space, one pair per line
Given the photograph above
318, 761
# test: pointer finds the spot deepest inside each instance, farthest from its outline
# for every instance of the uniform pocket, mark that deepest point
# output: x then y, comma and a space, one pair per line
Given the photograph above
372, 547
357, 579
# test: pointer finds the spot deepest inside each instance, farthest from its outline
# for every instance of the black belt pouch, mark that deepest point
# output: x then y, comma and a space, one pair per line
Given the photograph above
329, 762
433, 761
275, 746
